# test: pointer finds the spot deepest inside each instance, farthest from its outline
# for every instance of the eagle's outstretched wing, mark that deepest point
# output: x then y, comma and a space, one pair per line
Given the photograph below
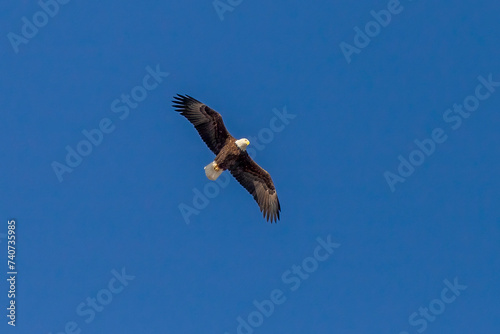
258, 182
207, 121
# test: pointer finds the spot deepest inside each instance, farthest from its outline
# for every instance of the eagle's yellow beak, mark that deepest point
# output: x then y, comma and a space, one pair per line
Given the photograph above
248, 142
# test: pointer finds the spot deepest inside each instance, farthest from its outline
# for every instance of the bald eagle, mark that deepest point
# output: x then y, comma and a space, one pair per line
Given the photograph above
230, 154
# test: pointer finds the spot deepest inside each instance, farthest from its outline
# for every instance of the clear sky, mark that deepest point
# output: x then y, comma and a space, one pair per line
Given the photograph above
378, 121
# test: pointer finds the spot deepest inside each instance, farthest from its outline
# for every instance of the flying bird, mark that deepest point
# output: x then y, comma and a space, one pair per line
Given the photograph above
230, 154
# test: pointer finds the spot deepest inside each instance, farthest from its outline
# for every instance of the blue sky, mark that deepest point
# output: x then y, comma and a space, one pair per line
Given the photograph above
378, 121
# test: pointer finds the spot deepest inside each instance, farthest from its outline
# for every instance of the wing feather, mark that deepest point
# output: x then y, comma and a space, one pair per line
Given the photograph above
259, 184
207, 121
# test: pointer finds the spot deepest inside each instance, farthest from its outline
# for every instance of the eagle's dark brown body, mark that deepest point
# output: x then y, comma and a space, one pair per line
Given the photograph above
228, 155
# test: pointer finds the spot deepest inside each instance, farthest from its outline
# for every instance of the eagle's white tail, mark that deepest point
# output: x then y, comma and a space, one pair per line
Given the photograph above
212, 171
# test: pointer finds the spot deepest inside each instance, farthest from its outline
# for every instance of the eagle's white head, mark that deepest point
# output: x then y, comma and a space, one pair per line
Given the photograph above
242, 143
